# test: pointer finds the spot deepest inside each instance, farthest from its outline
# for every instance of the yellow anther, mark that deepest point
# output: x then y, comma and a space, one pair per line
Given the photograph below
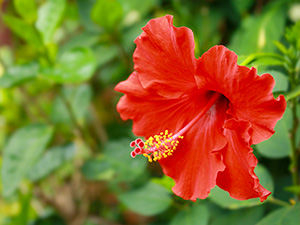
160, 146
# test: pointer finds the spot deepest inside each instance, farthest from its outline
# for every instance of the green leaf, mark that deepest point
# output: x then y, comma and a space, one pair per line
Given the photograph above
274, 217
98, 169
281, 80
49, 15
107, 14
206, 27
18, 75
149, 200
117, 153
6, 56
74, 66
267, 62
135, 10
257, 33
112, 72
222, 198
292, 215
164, 181
281, 47
105, 53
23, 149
82, 40
292, 35
286, 215
26, 9
246, 216
22, 29
195, 215
242, 5
115, 163
24, 199
79, 98
278, 146
261, 58
51, 160
84, 11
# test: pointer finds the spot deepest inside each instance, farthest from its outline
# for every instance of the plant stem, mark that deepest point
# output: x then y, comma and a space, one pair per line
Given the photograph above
98, 126
293, 94
83, 135
32, 101
278, 202
295, 151
122, 52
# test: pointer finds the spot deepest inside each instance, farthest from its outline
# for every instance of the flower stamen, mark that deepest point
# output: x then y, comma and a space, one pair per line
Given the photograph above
156, 147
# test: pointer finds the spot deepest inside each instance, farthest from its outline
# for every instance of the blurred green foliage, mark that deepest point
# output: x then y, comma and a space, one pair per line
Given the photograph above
65, 155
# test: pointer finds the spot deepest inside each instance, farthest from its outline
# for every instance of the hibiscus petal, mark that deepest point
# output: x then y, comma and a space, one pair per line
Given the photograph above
250, 95
150, 117
196, 161
164, 58
132, 86
152, 113
239, 178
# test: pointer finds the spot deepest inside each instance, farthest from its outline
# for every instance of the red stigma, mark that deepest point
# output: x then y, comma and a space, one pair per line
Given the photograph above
132, 144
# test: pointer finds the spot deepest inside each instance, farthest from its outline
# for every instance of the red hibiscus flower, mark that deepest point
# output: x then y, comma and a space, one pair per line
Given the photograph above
200, 116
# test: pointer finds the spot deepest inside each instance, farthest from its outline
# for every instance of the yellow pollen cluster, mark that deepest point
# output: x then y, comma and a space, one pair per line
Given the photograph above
161, 146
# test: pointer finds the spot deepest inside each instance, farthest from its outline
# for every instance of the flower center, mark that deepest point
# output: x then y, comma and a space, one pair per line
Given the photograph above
164, 144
